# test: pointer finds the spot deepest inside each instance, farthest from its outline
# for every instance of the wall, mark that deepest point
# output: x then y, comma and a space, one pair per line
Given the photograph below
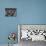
28, 12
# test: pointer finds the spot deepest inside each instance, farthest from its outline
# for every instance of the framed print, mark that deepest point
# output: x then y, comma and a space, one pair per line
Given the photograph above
10, 11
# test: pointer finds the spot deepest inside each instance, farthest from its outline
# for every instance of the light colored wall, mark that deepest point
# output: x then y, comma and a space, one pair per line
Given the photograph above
28, 12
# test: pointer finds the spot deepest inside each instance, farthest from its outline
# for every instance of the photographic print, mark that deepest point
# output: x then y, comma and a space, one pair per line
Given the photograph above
10, 11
